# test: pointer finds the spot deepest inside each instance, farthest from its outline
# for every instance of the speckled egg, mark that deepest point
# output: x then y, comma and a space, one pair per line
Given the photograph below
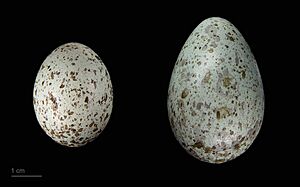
73, 95
215, 96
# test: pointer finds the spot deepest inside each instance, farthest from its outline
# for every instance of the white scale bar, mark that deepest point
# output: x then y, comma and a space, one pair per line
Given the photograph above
26, 176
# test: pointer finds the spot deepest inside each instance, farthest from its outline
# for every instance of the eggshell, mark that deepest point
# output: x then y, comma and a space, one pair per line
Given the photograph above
73, 95
215, 97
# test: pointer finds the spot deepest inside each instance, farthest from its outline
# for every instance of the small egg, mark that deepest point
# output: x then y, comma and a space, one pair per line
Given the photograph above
215, 97
73, 95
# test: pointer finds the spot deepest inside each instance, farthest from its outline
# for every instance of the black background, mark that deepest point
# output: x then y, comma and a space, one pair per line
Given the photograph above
139, 44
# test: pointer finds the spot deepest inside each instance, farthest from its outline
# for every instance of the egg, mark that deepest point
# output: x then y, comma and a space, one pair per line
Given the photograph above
215, 96
73, 95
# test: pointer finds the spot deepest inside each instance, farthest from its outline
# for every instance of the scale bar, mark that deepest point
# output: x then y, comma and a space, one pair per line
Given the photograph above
26, 176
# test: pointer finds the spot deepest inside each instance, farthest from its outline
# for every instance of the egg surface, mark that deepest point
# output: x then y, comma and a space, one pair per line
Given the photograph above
73, 95
215, 97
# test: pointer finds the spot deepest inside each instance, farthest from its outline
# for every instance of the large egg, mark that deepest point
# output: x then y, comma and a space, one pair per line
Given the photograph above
73, 95
215, 96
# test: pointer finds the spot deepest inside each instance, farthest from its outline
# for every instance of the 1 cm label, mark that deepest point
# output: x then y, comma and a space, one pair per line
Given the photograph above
18, 171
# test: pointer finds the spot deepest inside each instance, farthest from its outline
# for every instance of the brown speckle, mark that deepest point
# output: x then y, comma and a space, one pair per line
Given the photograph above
54, 103
184, 93
236, 146
198, 145
91, 124
243, 74
73, 76
106, 116
222, 112
206, 77
218, 114
230, 37
94, 83
226, 81
207, 149
198, 107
